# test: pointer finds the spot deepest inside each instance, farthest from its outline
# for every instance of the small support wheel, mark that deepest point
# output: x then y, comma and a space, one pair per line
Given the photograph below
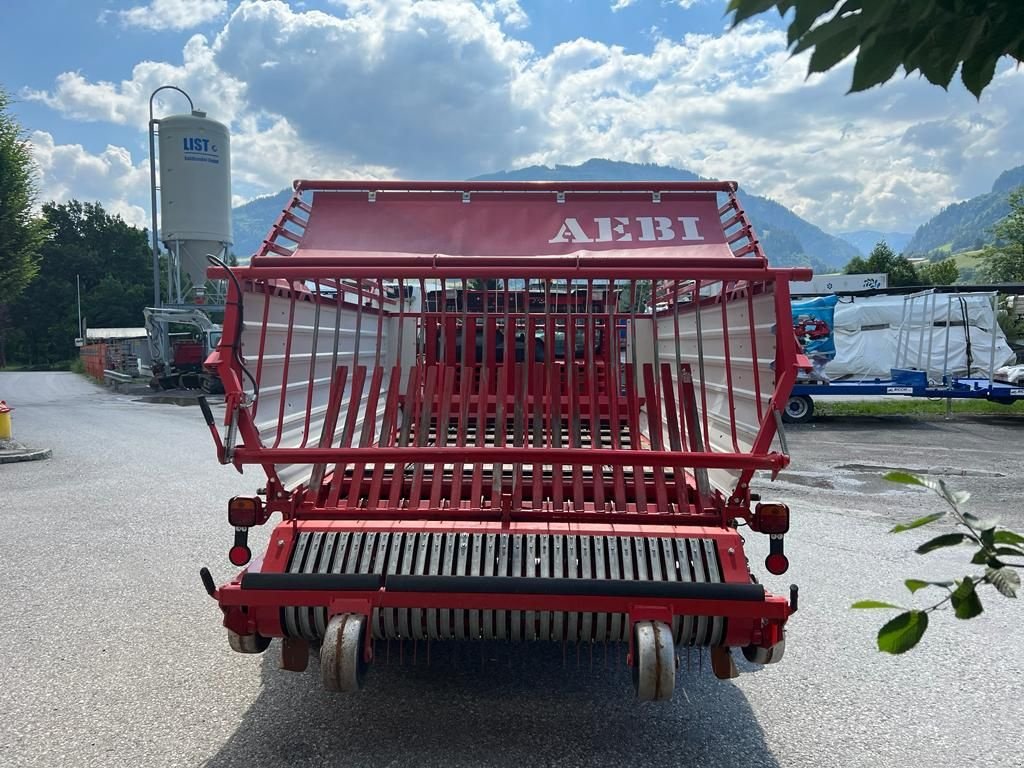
654, 662
247, 643
342, 665
799, 410
755, 654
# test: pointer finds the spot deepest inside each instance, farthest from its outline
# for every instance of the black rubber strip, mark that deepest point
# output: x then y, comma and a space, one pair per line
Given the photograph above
341, 582
503, 585
517, 585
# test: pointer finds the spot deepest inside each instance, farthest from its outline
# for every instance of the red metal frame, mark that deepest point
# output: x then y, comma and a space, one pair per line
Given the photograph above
552, 396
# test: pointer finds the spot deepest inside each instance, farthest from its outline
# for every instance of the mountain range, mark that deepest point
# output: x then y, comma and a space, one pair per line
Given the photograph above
788, 240
966, 226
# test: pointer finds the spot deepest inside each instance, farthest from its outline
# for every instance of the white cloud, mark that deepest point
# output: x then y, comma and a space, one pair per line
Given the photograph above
127, 102
173, 14
619, 5
69, 171
445, 88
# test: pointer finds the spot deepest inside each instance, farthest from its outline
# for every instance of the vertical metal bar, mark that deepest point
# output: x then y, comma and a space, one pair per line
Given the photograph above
755, 368
409, 414
482, 386
945, 356
572, 382
589, 341
441, 433
460, 432
674, 439
614, 400
428, 404
994, 323
730, 391
366, 436
633, 419
446, 374
285, 367
314, 346
931, 333
539, 438
355, 396
698, 311
330, 426
386, 434
689, 404
654, 425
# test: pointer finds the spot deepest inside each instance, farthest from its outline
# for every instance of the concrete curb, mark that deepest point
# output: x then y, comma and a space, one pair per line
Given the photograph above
12, 457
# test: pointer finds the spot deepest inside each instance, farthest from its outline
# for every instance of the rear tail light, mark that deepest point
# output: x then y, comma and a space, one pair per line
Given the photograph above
239, 555
771, 518
776, 563
245, 511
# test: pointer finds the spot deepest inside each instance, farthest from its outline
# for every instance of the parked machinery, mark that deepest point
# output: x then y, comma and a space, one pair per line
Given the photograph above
493, 411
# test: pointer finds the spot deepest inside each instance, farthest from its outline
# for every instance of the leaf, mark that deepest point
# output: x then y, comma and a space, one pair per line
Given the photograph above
1006, 580
903, 632
807, 12
877, 62
873, 604
988, 537
945, 540
1008, 537
918, 523
915, 584
965, 600
980, 557
903, 477
744, 9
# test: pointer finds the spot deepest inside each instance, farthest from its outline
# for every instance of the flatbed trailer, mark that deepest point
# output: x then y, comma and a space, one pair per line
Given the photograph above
506, 411
926, 364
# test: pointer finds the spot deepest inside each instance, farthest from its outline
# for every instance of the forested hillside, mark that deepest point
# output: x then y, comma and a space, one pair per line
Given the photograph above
967, 225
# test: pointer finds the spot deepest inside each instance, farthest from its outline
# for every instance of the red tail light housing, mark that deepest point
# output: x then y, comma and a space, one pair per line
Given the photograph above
239, 555
246, 511
771, 518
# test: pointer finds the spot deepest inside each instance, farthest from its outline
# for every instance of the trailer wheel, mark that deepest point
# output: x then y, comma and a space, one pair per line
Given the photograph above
654, 663
247, 643
342, 665
799, 410
755, 654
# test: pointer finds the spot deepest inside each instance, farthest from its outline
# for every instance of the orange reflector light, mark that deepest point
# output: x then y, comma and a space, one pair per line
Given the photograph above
771, 518
776, 564
245, 511
239, 555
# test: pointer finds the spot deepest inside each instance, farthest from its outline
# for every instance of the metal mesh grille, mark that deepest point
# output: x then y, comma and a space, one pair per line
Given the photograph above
620, 558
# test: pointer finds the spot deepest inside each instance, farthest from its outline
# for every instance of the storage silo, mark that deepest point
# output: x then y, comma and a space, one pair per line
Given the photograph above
195, 192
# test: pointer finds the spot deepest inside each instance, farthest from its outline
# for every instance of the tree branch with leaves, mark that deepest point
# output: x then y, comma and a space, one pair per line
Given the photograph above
933, 37
998, 550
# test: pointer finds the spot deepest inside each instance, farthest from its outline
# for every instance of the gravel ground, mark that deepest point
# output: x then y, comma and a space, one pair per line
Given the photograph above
113, 654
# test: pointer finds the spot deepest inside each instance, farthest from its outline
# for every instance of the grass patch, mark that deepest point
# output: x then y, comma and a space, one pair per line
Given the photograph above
913, 406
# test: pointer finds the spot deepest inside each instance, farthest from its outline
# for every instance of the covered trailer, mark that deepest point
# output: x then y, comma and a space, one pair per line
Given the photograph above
506, 411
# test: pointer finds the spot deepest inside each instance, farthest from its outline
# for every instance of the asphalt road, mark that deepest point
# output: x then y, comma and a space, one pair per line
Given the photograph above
113, 654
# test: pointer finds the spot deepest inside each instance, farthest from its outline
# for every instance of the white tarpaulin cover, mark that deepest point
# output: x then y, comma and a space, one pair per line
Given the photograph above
867, 336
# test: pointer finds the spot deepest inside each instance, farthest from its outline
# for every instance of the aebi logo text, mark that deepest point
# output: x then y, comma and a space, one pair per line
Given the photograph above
621, 229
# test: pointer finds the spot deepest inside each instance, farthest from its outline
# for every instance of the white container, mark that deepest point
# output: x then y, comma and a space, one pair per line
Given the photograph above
195, 189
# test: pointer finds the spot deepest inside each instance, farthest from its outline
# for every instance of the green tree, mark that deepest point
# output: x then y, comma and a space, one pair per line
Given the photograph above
883, 259
1003, 262
112, 259
943, 272
933, 37
21, 234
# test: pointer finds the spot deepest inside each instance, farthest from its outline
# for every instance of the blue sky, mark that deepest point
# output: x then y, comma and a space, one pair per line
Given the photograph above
454, 88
